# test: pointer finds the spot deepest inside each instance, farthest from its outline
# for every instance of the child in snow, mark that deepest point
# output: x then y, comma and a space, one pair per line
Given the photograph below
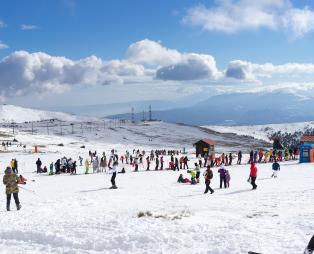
114, 170
253, 175
228, 178
208, 175
21, 180
275, 168
183, 180
10, 180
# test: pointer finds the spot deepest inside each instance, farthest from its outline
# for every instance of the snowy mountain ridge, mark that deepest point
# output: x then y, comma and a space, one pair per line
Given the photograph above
11, 113
264, 131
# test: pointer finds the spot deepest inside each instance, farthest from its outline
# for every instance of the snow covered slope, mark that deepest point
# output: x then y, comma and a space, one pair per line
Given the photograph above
11, 113
261, 131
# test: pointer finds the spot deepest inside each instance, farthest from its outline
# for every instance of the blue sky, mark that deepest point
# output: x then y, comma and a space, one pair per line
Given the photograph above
230, 40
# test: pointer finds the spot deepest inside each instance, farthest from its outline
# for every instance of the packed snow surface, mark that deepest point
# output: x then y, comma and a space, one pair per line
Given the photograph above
261, 131
79, 214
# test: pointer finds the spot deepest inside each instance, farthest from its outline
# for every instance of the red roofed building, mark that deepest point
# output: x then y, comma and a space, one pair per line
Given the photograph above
204, 146
307, 139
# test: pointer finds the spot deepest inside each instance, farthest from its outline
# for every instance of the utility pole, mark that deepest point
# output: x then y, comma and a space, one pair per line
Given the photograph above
143, 116
150, 112
48, 128
72, 125
132, 115
32, 128
61, 129
82, 128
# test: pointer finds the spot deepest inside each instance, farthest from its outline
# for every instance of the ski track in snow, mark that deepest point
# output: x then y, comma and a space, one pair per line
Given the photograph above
79, 214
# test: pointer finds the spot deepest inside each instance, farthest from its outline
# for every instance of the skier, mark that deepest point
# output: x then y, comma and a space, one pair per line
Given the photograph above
230, 159
114, 171
208, 175
222, 173
253, 175
275, 168
310, 247
10, 180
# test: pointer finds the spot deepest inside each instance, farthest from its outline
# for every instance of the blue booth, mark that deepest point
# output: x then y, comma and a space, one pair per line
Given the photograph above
305, 153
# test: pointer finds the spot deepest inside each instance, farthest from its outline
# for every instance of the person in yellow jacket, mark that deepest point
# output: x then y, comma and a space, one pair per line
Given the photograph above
86, 163
193, 176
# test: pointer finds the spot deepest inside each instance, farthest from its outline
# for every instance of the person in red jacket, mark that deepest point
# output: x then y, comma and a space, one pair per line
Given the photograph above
253, 175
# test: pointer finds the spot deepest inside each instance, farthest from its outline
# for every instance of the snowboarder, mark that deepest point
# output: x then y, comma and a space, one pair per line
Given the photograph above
222, 174
161, 163
10, 180
114, 171
208, 175
230, 159
253, 175
275, 168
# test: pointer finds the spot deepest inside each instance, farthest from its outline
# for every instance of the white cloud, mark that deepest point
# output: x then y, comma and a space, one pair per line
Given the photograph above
190, 67
3, 45
28, 27
243, 70
232, 16
22, 72
172, 64
152, 53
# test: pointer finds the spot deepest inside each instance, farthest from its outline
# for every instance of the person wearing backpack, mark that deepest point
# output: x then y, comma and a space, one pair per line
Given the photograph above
208, 175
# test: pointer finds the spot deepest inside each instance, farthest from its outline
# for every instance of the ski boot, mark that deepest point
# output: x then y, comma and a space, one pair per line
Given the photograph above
8, 208
18, 206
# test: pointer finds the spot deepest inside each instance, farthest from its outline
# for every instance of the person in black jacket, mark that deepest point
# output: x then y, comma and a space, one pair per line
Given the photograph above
38, 164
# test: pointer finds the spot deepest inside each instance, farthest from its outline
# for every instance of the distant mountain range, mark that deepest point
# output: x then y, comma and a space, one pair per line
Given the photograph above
238, 109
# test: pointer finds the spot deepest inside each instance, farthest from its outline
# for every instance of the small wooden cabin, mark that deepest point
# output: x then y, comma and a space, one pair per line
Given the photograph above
204, 147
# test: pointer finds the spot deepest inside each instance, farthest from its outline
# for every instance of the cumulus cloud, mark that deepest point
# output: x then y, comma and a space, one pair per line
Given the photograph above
3, 45
172, 64
28, 27
152, 53
190, 67
231, 16
244, 70
22, 72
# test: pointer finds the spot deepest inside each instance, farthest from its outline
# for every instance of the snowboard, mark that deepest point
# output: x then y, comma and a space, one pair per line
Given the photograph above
252, 252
